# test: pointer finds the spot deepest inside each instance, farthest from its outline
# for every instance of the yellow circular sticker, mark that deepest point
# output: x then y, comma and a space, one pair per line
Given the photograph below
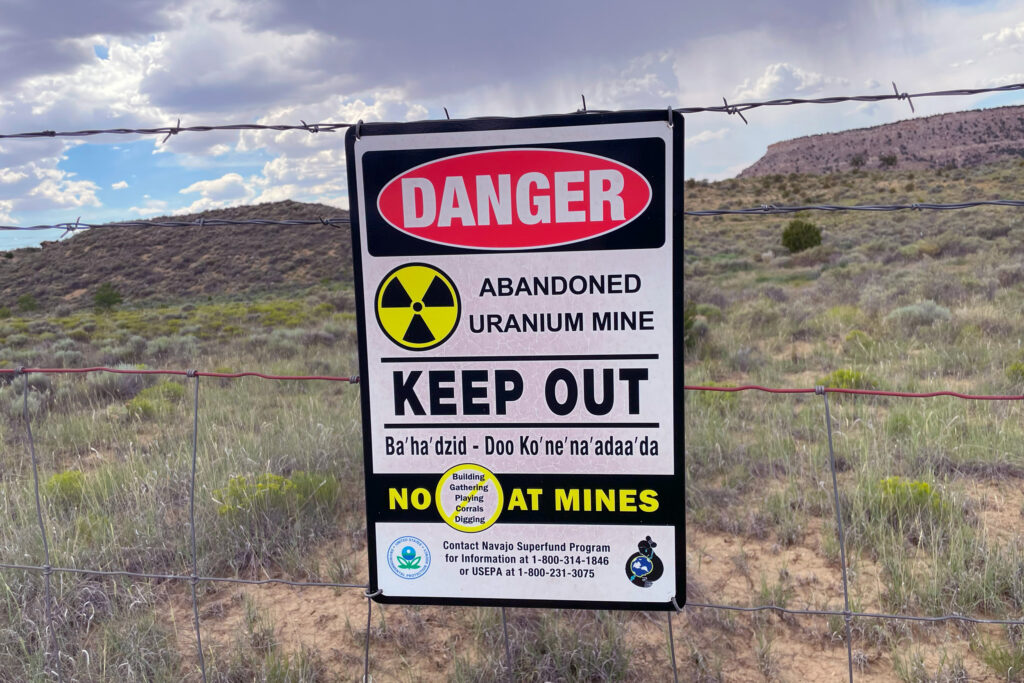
418, 306
469, 498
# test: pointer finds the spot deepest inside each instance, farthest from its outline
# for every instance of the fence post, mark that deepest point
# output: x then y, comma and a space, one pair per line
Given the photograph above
672, 648
51, 635
366, 652
820, 390
192, 521
508, 646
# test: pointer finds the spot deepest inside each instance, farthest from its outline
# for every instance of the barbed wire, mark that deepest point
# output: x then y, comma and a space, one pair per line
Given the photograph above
769, 209
314, 128
761, 210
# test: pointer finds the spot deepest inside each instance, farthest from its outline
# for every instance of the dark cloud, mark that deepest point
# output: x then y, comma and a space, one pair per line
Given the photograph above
34, 35
439, 47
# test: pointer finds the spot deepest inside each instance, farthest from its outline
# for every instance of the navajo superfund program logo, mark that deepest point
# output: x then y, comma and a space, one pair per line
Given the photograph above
521, 198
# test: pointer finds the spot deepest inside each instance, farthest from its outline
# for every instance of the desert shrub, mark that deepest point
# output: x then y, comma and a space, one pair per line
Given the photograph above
27, 302
257, 515
898, 425
117, 386
1009, 275
897, 495
695, 327
155, 401
179, 346
887, 160
800, 235
1016, 372
142, 408
918, 315
858, 340
845, 378
4, 313
65, 489
903, 510
106, 297
858, 160
67, 359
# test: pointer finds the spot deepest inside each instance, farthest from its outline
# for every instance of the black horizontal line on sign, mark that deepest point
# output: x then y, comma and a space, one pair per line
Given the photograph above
520, 425
470, 359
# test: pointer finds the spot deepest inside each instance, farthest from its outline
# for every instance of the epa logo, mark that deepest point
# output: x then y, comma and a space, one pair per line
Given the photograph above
409, 557
644, 567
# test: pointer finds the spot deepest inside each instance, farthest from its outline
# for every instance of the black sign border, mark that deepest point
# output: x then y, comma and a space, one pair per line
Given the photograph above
671, 118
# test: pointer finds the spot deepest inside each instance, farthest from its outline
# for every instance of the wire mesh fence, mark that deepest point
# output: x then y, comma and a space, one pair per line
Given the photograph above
51, 651
848, 614
194, 579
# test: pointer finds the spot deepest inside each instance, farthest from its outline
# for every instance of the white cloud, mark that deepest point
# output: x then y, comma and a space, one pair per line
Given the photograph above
1008, 35
6, 207
783, 80
151, 207
59, 190
8, 176
1005, 79
706, 136
119, 185
231, 189
227, 187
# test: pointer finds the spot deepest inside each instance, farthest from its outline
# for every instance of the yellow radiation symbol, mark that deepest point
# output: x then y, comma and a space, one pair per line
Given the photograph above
469, 498
417, 306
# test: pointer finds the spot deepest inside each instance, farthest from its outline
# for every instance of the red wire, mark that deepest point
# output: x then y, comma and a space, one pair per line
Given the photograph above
867, 392
184, 373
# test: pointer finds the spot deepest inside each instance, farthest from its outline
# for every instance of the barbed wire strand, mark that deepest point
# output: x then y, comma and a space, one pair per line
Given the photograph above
315, 128
192, 524
761, 210
839, 525
50, 637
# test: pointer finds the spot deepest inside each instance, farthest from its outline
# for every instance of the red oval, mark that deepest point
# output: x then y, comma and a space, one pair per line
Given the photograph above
523, 198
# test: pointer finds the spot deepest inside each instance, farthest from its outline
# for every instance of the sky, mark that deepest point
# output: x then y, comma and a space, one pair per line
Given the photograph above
72, 65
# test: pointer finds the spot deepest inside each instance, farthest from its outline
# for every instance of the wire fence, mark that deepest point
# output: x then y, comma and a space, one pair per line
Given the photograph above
314, 128
846, 613
762, 210
52, 654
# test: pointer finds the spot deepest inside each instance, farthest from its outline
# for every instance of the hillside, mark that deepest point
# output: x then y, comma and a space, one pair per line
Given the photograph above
174, 263
967, 138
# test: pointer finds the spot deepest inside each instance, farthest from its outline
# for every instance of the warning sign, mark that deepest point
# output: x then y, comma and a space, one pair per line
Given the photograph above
517, 288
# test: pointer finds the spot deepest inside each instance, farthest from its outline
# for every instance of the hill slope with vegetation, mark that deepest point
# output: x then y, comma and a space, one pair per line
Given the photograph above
965, 138
930, 488
175, 263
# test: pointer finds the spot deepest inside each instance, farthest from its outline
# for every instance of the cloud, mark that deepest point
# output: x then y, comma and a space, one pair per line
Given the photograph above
784, 80
706, 136
151, 207
227, 187
61, 190
119, 185
1008, 35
